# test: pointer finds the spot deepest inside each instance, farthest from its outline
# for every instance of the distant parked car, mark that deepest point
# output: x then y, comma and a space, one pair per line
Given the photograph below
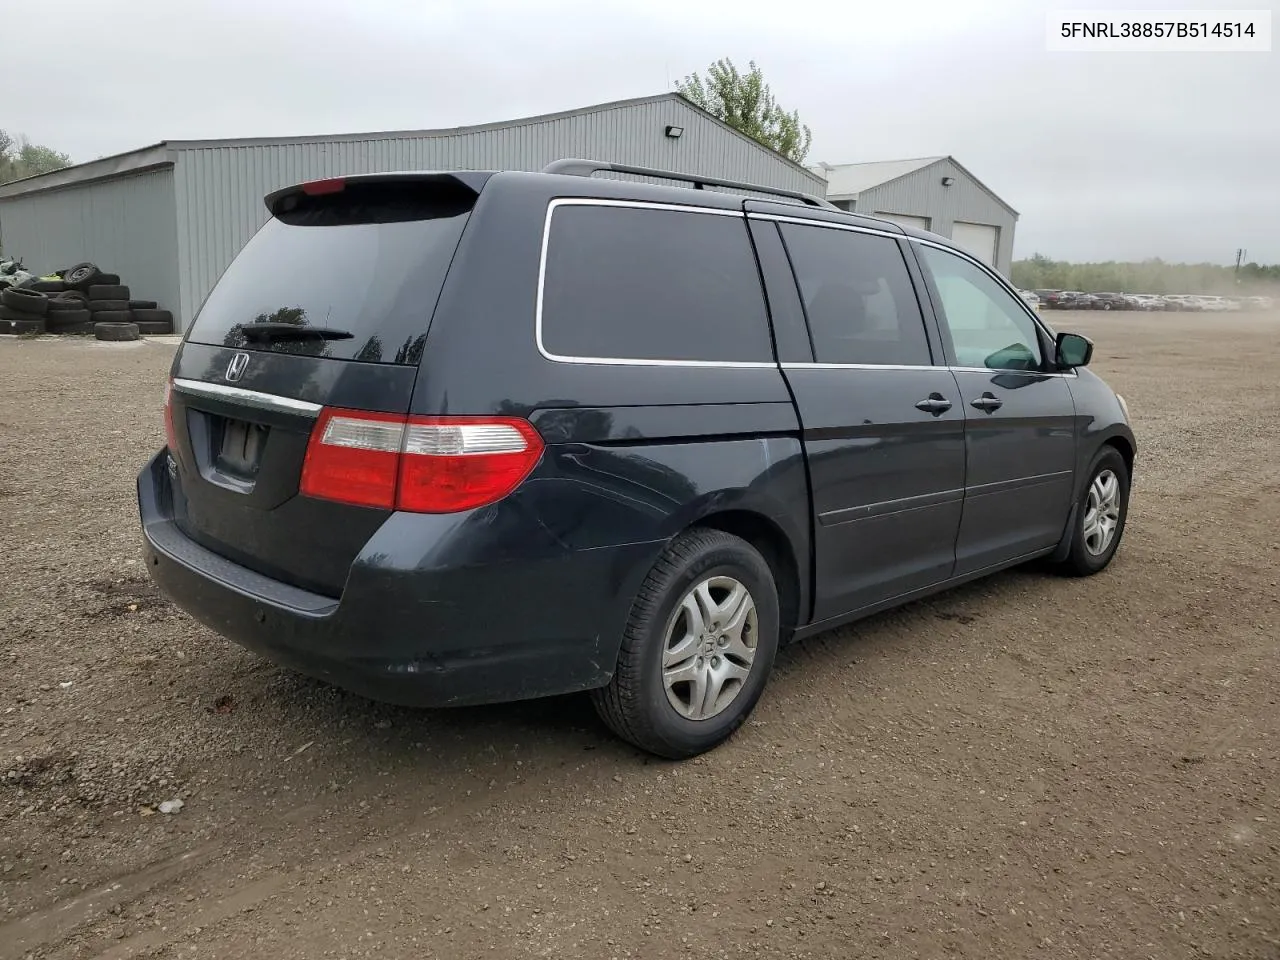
1146, 301
1033, 300
1260, 303
1111, 301
1183, 302
1213, 304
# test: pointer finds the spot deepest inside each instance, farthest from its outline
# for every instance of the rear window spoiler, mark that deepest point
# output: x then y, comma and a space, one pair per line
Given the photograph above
454, 182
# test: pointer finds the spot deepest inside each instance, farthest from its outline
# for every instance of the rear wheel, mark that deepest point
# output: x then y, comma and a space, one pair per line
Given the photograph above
697, 649
1100, 515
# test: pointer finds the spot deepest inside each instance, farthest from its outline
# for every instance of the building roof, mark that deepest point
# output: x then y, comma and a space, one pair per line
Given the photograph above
846, 180
164, 153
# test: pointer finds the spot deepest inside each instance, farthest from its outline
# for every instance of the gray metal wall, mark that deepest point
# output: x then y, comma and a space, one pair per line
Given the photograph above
219, 188
922, 194
126, 226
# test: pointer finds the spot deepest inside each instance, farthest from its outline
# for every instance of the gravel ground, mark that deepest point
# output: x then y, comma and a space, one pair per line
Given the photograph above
1027, 766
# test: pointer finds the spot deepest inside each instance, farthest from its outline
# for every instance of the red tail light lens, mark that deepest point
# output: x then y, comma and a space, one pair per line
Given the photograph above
419, 464
458, 463
354, 457
170, 433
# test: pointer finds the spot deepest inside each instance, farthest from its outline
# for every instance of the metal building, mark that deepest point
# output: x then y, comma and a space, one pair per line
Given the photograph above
169, 218
933, 193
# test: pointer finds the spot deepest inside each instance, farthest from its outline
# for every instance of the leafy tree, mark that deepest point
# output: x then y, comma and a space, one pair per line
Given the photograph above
745, 102
19, 158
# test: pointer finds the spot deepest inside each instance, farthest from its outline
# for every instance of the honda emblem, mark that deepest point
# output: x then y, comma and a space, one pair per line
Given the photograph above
235, 369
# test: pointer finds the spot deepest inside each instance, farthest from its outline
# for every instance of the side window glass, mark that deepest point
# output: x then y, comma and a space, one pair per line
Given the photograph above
858, 297
649, 284
987, 325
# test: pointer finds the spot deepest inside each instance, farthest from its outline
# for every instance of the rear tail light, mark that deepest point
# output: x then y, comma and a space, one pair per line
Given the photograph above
419, 464
170, 434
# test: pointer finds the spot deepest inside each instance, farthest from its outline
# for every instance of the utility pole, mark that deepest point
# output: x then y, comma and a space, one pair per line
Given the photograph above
1240, 254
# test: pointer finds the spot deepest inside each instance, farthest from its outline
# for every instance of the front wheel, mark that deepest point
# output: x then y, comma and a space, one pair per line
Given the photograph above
697, 649
1100, 515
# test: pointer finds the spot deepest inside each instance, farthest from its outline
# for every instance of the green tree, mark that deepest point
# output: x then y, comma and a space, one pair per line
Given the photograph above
20, 158
745, 102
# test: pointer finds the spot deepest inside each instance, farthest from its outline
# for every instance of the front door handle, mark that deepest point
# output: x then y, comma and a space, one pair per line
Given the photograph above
988, 402
935, 403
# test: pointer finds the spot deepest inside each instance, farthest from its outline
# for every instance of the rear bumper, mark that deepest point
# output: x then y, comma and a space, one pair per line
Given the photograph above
438, 610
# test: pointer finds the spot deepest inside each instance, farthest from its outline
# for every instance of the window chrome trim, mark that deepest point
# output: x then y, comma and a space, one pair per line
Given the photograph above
851, 227
248, 398
992, 371
627, 361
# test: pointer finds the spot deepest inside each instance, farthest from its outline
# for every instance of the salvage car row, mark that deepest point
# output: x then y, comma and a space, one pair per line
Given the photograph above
1078, 300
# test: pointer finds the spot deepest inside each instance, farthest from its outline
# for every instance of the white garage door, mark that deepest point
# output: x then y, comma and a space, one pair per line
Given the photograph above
905, 220
977, 239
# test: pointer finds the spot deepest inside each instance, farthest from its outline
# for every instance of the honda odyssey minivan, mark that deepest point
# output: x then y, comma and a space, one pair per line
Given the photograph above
453, 438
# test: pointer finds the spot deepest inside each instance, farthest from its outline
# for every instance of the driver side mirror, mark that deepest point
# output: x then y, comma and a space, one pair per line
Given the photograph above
1072, 350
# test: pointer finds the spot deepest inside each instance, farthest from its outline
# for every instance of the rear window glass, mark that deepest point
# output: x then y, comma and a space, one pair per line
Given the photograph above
366, 269
644, 284
858, 297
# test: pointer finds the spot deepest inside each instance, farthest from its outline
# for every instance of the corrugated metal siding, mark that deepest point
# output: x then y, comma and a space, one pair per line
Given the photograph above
220, 189
922, 194
126, 226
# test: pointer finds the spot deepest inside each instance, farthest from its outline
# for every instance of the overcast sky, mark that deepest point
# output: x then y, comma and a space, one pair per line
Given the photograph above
1105, 156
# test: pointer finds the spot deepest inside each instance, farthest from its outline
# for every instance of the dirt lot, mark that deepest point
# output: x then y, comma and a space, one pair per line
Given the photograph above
1026, 767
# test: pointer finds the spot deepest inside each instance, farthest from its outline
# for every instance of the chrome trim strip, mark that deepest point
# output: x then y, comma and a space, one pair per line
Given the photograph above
811, 365
624, 361
855, 228
990, 371
248, 398
1030, 373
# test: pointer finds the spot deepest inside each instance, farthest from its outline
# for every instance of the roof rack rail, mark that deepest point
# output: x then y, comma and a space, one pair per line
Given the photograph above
585, 168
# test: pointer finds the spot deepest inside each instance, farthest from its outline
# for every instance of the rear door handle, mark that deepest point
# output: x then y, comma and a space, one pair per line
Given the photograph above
988, 402
935, 403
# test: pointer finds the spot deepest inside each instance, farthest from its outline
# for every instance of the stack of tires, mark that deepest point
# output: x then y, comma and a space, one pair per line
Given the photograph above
23, 310
82, 300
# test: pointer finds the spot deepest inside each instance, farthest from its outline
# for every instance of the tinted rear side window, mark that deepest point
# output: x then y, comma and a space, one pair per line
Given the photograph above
858, 297
368, 262
644, 284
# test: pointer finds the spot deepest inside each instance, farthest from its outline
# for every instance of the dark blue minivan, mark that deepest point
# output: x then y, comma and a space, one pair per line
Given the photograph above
451, 438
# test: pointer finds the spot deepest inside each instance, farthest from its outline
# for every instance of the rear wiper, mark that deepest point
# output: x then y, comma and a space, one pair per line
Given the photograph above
291, 331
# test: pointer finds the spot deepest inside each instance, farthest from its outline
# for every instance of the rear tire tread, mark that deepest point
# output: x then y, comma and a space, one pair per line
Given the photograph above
620, 703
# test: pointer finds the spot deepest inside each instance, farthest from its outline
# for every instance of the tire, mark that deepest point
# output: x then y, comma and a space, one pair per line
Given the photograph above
1082, 560
80, 276
79, 296
142, 304
115, 332
49, 286
25, 300
152, 328
108, 291
636, 704
63, 303
8, 313
108, 279
62, 320
154, 316
29, 327
112, 316
114, 305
